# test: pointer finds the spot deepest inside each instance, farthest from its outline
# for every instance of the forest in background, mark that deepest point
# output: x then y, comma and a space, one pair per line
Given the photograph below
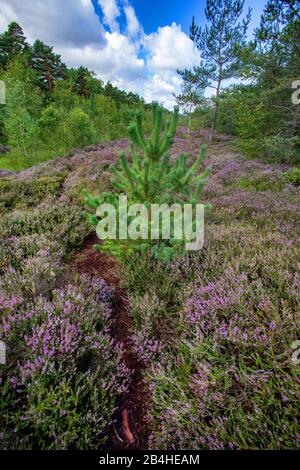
258, 108
137, 343
51, 108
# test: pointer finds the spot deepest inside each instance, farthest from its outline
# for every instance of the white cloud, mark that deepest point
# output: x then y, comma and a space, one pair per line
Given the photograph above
161, 88
55, 22
111, 12
74, 29
133, 25
116, 61
171, 49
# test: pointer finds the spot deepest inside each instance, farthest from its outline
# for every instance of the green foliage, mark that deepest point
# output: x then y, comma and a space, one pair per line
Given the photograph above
107, 117
80, 81
51, 109
12, 43
282, 149
27, 193
21, 110
262, 183
217, 44
47, 64
262, 114
150, 178
80, 130
293, 176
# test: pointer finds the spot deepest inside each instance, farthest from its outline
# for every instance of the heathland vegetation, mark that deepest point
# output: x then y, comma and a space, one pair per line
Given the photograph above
146, 345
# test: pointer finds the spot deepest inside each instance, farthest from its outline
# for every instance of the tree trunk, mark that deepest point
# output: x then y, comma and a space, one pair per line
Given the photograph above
215, 113
49, 79
190, 124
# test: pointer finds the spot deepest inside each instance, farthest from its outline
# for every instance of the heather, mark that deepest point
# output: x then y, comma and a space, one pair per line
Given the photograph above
64, 371
121, 344
215, 329
58, 389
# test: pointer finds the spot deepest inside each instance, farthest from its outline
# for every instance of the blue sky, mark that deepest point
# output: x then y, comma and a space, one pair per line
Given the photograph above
136, 44
157, 13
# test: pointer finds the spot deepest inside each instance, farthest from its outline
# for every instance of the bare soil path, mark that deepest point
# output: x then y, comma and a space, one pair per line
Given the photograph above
131, 430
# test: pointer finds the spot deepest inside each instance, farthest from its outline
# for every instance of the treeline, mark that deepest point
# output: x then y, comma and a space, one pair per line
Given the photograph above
259, 110
51, 108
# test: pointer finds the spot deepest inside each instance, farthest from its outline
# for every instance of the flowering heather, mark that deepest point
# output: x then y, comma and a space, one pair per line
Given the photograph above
225, 378
63, 371
147, 344
214, 329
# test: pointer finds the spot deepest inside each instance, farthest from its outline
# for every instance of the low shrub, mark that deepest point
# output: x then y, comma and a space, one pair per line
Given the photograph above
59, 218
233, 384
27, 192
263, 182
275, 149
281, 149
63, 372
219, 364
293, 176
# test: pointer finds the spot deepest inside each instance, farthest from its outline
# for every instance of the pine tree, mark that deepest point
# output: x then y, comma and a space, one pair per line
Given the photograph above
278, 40
12, 43
151, 177
80, 78
280, 20
217, 43
190, 98
47, 64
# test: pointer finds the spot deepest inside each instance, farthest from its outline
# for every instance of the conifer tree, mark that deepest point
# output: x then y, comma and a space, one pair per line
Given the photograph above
12, 43
151, 177
80, 78
278, 46
47, 64
190, 98
217, 43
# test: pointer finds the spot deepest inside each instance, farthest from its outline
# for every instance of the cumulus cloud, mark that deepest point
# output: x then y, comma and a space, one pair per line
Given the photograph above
170, 49
133, 25
117, 60
57, 22
111, 12
131, 60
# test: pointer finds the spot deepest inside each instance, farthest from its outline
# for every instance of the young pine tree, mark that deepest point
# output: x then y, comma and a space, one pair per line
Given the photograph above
217, 44
150, 178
